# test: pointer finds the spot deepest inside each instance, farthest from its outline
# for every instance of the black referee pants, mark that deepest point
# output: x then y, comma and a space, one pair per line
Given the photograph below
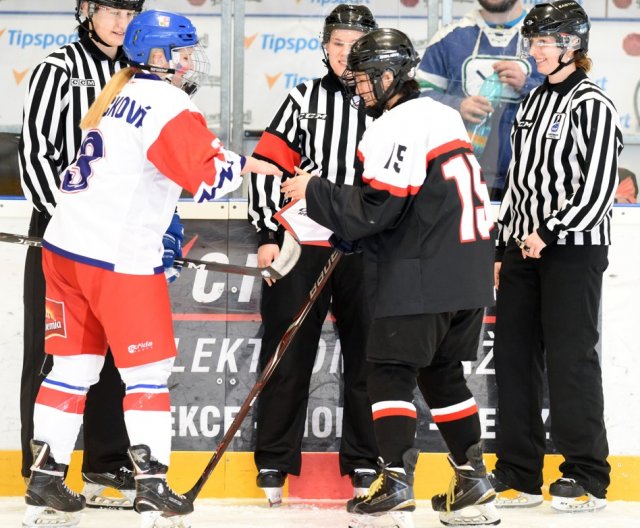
105, 434
282, 405
547, 313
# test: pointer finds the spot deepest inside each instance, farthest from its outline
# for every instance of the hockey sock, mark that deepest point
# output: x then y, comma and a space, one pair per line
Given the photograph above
147, 407
59, 406
390, 388
459, 425
453, 408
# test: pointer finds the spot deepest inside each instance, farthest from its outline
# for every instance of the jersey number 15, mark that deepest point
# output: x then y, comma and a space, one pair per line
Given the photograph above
465, 171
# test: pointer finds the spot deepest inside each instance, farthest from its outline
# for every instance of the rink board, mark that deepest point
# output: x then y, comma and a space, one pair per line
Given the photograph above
235, 475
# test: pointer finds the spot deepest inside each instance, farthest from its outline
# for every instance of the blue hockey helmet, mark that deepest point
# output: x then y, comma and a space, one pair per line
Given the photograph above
176, 37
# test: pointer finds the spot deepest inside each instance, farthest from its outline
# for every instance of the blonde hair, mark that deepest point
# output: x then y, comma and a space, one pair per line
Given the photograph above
115, 85
583, 63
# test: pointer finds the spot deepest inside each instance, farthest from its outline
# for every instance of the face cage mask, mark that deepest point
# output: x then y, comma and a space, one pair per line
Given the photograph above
378, 93
565, 42
190, 68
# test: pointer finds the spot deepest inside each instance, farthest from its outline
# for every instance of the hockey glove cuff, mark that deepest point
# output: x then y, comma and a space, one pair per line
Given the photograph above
172, 242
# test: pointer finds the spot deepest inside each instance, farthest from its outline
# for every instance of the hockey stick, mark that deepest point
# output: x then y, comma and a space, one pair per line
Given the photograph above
266, 373
289, 254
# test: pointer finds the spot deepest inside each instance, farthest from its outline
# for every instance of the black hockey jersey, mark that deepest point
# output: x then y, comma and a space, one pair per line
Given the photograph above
423, 215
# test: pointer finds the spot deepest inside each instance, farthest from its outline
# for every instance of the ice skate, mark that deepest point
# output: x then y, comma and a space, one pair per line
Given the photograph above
158, 504
272, 481
361, 480
121, 481
389, 500
507, 497
569, 496
50, 503
470, 498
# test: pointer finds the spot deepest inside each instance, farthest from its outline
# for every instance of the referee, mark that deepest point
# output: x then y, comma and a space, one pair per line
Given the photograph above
554, 235
315, 129
61, 90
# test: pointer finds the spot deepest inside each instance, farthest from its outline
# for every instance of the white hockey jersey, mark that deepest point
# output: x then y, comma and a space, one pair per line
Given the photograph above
117, 199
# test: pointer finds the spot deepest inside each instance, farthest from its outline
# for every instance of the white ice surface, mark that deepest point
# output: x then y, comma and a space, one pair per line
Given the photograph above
331, 514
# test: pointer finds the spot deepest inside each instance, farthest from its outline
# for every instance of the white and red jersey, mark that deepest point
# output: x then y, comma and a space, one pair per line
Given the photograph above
117, 199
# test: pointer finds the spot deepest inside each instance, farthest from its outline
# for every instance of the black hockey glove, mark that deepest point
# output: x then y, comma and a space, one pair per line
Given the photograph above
344, 246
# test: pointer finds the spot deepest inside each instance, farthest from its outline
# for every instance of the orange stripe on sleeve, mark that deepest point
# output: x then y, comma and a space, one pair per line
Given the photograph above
448, 147
276, 150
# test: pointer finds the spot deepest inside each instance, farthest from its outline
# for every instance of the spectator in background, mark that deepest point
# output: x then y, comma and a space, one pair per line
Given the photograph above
316, 129
554, 233
461, 56
61, 90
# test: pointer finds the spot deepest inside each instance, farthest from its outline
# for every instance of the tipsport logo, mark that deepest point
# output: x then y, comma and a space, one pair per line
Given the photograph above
276, 44
25, 39
290, 79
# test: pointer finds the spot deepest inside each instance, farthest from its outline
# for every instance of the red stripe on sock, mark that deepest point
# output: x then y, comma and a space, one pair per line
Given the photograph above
394, 411
62, 401
456, 415
146, 401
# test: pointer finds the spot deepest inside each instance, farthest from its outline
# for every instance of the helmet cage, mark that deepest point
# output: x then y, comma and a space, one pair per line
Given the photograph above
369, 57
191, 67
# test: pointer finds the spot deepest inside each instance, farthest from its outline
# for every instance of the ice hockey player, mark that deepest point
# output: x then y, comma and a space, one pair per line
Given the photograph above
102, 259
423, 222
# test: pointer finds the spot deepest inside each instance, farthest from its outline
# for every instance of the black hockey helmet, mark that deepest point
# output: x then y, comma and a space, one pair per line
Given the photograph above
564, 17
375, 53
348, 16
134, 5
86, 25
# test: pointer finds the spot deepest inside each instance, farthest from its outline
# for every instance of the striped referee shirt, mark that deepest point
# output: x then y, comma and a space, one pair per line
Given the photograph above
566, 140
315, 129
61, 90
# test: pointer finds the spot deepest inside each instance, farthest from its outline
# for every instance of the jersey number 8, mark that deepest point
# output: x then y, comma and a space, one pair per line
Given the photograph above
76, 177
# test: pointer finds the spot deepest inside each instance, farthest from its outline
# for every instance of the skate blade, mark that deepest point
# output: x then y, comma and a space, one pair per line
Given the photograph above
517, 499
476, 515
585, 503
274, 496
43, 517
103, 497
393, 519
156, 519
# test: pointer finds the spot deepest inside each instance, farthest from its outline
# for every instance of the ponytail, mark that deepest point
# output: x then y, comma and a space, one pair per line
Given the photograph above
583, 62
107, 95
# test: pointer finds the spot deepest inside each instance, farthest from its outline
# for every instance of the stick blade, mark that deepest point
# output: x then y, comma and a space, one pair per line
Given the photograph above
288, 257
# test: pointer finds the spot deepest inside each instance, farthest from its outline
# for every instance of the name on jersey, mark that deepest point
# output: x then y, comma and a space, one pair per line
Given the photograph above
311, 116
129, 109
83, 83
